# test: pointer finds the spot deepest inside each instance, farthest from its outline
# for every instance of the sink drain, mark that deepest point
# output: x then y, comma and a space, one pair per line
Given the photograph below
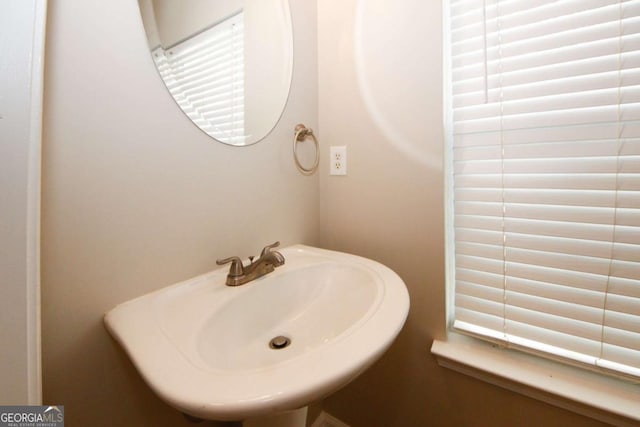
279, 342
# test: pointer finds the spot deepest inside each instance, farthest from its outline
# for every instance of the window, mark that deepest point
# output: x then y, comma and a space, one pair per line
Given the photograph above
205, 75
544, 148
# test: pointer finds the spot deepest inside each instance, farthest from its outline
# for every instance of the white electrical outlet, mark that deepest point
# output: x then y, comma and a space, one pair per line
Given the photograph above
338, 160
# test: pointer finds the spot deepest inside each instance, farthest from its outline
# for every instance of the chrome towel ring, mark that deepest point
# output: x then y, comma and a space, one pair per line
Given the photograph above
301, 132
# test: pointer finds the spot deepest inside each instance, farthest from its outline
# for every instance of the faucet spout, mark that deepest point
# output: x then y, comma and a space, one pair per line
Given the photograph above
240, 274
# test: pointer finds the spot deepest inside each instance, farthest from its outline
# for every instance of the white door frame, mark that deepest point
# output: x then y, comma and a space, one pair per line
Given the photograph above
22, 24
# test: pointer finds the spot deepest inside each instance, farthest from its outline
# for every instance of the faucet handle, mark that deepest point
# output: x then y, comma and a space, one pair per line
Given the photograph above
236, 269
267, 248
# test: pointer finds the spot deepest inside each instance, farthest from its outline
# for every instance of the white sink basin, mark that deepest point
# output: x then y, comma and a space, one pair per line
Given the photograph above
203, 346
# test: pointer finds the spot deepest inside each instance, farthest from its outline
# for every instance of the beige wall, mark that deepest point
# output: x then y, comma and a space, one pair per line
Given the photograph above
135, 198
390, 208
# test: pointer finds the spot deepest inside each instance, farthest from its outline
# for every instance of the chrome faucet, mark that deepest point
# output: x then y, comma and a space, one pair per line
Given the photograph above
240, 274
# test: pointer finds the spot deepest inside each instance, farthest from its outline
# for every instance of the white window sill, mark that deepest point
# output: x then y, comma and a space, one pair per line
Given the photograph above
597, 396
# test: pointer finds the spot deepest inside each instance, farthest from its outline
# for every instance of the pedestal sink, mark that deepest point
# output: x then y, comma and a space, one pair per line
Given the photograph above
272, 345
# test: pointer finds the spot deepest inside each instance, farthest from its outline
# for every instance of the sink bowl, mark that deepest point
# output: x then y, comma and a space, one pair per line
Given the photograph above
204, 347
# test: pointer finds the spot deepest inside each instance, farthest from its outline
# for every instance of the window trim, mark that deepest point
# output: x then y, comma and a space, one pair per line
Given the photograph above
587, 393
592, 394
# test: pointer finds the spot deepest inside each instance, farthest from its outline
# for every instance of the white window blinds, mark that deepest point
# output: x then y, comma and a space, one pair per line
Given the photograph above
205, 75
544, 108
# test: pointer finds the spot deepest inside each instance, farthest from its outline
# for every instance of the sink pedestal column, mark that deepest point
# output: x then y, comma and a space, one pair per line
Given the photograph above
295, 418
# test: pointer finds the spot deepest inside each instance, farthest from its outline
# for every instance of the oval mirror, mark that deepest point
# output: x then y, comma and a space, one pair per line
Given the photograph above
227, 63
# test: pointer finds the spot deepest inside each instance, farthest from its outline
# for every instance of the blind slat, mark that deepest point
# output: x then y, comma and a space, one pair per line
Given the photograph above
205, 74
545, 167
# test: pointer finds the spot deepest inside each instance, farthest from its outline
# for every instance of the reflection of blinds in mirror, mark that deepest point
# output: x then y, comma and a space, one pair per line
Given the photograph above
205, 75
